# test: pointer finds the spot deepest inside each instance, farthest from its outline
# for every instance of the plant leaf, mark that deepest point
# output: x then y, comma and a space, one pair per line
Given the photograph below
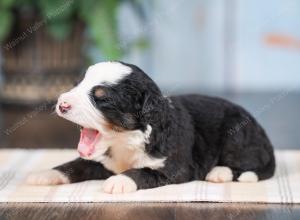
4, 4
58, 15
59, 29
5, 24
56, 9
86, 8
103, 28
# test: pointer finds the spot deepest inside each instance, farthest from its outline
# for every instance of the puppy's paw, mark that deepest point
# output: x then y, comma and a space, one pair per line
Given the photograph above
219, 174
248, 176
47, 177
119, 184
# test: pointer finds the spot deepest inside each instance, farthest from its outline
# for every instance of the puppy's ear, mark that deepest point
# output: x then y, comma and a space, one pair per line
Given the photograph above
152, 106
147, 104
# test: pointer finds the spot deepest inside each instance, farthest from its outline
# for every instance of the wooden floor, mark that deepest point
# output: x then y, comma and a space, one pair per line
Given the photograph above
145, 211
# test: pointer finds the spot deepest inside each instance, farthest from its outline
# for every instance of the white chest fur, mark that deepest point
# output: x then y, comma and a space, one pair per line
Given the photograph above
120, 151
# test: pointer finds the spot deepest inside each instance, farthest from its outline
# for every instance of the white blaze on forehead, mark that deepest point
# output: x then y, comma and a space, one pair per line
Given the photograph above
104, 73
83, 111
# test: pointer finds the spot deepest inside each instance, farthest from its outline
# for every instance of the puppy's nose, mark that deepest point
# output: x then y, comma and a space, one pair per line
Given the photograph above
64, 107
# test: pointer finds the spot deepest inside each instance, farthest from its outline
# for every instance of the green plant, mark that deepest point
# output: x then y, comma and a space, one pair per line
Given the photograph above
99, 16
5, 17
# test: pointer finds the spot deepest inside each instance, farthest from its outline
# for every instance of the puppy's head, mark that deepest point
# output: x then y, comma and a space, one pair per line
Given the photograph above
112, 97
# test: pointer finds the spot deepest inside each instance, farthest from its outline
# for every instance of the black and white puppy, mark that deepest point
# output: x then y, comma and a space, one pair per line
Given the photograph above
135, 138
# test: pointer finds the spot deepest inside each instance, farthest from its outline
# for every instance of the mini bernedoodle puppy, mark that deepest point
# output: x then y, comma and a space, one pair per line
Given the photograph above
135, 138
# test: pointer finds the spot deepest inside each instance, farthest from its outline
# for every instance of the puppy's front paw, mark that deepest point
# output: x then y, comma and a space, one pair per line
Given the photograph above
119, 184
219, 174
47, 177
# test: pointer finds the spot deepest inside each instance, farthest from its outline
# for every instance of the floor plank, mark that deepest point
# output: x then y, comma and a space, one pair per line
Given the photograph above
148, 211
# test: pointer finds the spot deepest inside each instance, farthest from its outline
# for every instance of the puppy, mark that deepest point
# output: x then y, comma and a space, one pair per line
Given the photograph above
135, 138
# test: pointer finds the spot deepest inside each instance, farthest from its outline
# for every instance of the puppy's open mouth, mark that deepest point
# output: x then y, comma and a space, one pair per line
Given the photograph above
87, 142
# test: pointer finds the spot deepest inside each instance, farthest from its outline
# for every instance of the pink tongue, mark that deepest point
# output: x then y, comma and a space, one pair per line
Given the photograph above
86, 145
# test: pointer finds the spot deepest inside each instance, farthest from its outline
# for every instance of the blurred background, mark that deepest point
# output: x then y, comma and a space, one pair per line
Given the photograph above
247, 51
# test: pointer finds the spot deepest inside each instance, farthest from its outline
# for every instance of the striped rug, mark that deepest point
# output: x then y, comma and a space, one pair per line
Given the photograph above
15, 165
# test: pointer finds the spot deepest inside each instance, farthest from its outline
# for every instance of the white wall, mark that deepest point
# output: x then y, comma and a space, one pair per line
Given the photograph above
219, 45
187, 44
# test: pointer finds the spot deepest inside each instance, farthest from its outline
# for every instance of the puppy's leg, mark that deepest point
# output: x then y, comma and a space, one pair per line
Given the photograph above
134, 179
75, 171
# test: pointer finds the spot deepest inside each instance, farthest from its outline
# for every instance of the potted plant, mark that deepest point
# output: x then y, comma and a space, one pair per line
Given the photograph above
42, 39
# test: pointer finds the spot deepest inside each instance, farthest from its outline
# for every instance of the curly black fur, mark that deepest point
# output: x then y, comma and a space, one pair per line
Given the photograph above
194, 132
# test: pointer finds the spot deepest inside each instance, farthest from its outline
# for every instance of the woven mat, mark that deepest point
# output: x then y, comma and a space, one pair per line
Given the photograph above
284, 187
